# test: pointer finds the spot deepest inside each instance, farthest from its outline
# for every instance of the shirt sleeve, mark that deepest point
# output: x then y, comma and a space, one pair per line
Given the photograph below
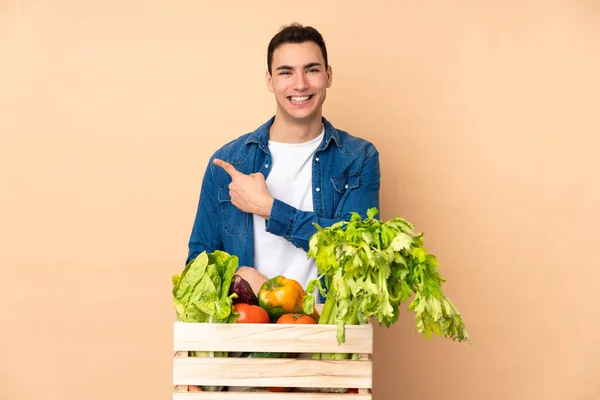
297, 226
205, 231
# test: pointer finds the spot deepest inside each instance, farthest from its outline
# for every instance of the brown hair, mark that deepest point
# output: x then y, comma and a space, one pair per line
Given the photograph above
295, 33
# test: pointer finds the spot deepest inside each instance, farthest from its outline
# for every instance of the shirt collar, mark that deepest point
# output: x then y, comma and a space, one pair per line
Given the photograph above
261, 135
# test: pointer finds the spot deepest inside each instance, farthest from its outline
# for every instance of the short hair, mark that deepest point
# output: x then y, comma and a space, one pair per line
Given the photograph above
295, 33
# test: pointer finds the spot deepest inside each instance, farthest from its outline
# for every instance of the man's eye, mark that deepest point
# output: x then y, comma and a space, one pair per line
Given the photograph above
313, 70
285, 73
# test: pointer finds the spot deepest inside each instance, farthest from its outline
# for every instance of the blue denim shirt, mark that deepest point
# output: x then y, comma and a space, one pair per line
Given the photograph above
345, 178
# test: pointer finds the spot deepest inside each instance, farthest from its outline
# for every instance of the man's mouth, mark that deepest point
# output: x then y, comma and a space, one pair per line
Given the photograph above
300, 100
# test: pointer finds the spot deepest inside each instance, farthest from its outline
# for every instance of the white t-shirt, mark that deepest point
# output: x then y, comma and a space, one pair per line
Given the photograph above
290, 181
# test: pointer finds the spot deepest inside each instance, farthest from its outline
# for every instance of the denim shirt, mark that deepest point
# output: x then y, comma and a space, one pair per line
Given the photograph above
345, 178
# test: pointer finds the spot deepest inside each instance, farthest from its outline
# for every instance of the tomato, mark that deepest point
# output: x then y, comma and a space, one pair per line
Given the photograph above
250, 314
292, 318
278, 389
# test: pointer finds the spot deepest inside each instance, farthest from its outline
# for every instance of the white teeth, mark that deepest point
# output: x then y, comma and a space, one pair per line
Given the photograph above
297, 98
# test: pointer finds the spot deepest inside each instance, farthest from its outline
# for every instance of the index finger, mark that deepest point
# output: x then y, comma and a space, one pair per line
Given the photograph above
230, 169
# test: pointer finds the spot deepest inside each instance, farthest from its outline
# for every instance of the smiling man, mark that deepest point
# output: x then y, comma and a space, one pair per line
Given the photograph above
262, 192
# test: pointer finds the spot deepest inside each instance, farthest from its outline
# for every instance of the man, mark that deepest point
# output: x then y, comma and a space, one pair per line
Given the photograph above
262, 192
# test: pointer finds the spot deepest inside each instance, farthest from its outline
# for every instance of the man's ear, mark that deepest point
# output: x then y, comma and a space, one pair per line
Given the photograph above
329, 75
269, 78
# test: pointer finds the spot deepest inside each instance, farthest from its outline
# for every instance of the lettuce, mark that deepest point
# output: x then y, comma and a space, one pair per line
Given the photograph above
201, 294
200, 291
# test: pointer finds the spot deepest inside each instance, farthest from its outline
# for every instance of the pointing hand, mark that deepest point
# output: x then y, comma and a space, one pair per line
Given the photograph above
248, 192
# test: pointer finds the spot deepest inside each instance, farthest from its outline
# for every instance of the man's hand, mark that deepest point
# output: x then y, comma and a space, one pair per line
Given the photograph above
248, 192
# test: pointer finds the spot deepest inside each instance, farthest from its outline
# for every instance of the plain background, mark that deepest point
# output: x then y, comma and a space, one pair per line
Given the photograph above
486, 115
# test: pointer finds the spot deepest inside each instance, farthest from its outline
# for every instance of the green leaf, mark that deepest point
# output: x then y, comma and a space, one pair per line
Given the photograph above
350, 231
367, 238
200, 292
401, 241
371, 267
371, 213
419, 253
355, 217
308, 304
406, 291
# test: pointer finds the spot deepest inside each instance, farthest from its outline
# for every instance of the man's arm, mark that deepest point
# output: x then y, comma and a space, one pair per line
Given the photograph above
249, 194
206, 230
297, 226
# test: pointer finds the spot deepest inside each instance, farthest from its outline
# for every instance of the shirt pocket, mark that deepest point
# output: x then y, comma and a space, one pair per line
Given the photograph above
235, 222
343, 185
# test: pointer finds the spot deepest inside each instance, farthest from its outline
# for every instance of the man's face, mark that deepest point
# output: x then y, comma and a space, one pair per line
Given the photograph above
299, 80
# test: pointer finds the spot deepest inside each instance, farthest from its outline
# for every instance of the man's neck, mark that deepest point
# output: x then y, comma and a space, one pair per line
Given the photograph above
285, 131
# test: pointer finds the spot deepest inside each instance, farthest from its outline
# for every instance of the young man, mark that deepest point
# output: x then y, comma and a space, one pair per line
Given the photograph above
262, 192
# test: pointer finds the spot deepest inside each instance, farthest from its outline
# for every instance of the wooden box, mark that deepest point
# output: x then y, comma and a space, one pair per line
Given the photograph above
301, 372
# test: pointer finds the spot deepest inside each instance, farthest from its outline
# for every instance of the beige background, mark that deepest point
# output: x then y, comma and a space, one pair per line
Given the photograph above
486, 114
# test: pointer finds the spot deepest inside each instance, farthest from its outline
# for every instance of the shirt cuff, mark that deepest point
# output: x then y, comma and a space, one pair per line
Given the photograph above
282, 219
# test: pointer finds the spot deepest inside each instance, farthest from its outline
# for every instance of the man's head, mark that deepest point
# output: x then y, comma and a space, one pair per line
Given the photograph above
298, 73
295, 33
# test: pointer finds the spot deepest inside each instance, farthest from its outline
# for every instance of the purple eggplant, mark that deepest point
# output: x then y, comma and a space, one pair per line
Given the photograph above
244, 291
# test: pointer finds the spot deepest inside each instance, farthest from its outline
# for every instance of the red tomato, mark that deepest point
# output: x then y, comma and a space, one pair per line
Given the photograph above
250, 314
292, 318
278, 389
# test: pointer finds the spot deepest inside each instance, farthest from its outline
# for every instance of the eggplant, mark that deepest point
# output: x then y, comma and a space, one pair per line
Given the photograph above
267, 354
244, 291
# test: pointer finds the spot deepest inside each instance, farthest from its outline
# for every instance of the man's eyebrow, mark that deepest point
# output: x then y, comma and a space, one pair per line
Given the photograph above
288, 67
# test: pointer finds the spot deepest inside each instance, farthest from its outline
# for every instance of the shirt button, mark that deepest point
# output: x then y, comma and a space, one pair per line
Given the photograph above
317, 159
346, 186
266, 165
318, 189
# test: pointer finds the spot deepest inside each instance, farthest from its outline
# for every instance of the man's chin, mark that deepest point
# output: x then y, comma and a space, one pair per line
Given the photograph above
302, 117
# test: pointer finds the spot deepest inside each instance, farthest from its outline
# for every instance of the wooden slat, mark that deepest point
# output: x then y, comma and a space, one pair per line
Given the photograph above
283, 338
269, 396
364, 357
272, 372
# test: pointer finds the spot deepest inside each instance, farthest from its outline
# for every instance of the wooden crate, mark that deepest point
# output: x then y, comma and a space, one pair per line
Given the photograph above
300, 372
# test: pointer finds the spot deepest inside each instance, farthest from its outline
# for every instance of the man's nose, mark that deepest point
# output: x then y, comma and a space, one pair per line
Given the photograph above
300, 82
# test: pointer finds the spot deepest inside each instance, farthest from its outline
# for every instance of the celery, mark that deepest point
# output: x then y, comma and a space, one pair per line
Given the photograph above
370, 268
